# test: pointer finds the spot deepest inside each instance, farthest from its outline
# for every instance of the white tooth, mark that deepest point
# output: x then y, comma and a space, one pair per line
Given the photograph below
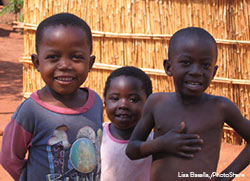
194, 83
64, 78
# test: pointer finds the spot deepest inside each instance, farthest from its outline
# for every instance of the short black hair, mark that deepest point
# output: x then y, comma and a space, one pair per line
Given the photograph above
62, 19
187, 32
132, 72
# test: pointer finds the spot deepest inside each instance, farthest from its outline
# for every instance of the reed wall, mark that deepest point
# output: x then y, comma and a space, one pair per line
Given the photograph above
137, 32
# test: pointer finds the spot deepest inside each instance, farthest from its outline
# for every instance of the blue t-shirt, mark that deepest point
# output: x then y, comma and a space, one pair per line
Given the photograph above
62, 143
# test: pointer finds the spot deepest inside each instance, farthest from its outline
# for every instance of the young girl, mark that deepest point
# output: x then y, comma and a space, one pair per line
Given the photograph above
61, 124
125, 93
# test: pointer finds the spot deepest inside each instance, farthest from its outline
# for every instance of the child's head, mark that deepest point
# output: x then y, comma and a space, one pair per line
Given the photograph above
64, 46
65, 19
125, 93
192, 60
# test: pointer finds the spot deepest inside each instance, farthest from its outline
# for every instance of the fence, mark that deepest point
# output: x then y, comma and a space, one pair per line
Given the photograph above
137, 32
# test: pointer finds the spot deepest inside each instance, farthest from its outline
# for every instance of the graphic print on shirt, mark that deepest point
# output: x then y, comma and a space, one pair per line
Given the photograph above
79, 161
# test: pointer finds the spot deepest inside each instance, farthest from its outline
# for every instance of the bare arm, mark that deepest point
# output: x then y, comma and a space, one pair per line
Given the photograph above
138, 147
174, 141
242, 127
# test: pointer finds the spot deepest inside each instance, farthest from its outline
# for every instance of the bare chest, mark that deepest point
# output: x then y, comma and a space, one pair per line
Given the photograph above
198, 119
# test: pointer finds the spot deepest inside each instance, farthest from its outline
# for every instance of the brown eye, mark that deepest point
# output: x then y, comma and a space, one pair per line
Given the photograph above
206, 65
52, 58
77, 58
185, 62
133, 99
114, 99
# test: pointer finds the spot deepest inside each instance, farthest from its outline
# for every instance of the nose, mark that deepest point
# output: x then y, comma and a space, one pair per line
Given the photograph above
195, 70
64, 63
123, 104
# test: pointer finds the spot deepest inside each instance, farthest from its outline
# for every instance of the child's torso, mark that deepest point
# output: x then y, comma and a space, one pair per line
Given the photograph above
204, 119
116, 165
63, 146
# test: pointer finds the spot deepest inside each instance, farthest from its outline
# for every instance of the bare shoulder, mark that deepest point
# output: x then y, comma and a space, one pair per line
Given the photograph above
160, 97
156, 101
220, 102
228, 109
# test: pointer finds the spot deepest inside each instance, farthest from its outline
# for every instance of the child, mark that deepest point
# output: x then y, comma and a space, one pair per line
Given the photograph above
125, 93
60, 125
192, 63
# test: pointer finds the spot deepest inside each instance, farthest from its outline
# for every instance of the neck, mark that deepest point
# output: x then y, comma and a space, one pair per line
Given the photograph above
73, 100
121, 134
189, 100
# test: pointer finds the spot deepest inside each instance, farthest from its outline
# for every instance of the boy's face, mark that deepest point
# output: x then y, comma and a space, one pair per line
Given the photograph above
63, 58
192, 65
124, 101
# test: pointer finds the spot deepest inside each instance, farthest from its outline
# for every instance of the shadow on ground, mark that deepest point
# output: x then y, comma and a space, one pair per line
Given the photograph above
4, 32
10, 79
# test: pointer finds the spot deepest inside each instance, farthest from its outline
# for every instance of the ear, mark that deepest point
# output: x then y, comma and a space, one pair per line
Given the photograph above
91, 62
104, 103
35, 61
167, 67
215, 70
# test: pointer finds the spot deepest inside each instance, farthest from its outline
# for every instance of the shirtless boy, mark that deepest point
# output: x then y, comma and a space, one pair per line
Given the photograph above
192, 63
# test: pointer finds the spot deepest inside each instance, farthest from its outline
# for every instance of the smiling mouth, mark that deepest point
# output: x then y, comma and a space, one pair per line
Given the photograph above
193, 85
123, 116
64, 79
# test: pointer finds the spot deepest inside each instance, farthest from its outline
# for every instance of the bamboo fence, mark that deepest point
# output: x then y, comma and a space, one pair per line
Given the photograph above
137, 32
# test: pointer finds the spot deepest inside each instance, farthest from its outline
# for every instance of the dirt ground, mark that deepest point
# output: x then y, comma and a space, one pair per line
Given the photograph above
11, 51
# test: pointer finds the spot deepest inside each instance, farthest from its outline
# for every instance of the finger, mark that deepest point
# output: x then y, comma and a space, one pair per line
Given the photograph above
190, 149
180, 128
191, 142
185, 155
190, 136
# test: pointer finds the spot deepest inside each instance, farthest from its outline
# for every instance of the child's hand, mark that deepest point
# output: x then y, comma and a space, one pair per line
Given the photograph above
179, 143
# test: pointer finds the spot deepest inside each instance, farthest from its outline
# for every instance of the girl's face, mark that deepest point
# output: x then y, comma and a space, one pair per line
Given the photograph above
124, 101
63, 58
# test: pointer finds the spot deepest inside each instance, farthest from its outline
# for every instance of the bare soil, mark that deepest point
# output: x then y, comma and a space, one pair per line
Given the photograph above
11, 51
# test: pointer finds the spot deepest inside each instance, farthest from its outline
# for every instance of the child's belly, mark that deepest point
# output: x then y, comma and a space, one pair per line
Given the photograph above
172, 168
201, 167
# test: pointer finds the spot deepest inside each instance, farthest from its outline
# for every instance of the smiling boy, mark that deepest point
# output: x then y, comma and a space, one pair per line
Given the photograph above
192, 63
60, 125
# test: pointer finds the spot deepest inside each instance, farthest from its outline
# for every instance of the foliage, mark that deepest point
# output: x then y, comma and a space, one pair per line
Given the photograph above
14, 6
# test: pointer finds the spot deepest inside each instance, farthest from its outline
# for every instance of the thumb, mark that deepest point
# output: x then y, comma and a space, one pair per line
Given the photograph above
180, 128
